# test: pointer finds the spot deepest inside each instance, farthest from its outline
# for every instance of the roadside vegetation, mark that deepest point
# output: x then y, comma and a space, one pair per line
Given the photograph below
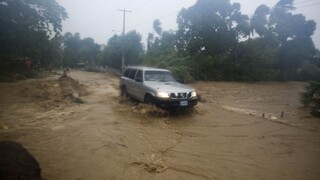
214, 41
311, 98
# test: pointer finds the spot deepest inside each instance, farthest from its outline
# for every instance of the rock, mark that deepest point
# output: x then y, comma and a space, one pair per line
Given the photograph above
75, 95
17, 163
273, 118
143, 111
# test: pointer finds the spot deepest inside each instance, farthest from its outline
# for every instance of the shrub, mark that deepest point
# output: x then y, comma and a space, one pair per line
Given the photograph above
311, 98
309, 72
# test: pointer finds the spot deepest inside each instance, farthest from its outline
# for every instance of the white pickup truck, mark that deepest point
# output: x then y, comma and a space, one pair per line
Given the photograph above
156, 86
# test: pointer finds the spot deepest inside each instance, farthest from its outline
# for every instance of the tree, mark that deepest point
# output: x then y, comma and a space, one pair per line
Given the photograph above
25, 26
255, 62
52, 52
280, 19
211, 43
163, 44
294, 34
259, 21
71, 46
162, 53
209, 33
133, 50
150, 40
211, 27
112, 53
157, 26
290, 33
311, 97
77, 50
89, 51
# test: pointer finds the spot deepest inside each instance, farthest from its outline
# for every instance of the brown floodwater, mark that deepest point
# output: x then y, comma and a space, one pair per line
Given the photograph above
237, 133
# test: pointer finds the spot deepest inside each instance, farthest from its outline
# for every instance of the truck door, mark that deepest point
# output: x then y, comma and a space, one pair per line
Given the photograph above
131, 81
138, 86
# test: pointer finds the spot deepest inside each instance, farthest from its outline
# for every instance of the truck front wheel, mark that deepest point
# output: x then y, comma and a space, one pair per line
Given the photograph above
148, 99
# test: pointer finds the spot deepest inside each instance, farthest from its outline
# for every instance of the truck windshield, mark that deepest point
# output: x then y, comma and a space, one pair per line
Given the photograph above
162, 76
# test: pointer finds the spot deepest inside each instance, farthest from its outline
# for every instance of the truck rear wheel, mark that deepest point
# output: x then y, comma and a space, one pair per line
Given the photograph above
124, 92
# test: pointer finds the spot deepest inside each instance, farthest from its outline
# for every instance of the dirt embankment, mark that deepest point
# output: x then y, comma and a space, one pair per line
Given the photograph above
53, 93
107, 137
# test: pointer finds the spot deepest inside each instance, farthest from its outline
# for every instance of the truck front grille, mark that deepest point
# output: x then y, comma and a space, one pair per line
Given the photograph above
179, 95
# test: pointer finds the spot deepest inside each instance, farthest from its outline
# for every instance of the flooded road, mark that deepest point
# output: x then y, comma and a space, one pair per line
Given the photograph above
107, 137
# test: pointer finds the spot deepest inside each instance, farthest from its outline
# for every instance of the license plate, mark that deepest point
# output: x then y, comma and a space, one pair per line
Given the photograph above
183, 103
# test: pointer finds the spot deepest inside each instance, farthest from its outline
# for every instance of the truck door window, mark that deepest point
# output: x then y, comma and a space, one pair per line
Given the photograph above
132, 73
139, 76
126, 73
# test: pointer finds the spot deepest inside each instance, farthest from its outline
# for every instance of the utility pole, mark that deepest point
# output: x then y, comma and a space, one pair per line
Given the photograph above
123, 34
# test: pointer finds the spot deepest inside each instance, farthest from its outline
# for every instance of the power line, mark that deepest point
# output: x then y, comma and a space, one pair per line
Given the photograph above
132, 3
143, 4
306, 1
308, 5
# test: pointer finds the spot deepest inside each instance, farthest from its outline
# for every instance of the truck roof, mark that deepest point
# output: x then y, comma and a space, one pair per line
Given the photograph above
144, 68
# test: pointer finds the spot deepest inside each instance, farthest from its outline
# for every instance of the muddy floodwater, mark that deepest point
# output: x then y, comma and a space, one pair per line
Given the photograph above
243, 131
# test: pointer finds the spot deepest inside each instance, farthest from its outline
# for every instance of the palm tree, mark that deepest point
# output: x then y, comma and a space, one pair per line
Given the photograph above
280, 17
259, 21
157, 27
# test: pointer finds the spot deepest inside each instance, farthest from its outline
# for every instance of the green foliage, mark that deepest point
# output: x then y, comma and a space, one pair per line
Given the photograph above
292, 33
209, 33
213, 42
311, 98
255, 61
130, 44
112, 53
25, 26
292, 55
162, 54
77, 50
208, 45
309, 72
133, 49
177, 65
71, 49
157, 26
207, 67
259, 20
89, 51
52, 52
211, 27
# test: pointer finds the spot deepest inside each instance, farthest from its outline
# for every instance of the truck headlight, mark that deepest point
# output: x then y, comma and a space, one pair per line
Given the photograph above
193, 94
164, 95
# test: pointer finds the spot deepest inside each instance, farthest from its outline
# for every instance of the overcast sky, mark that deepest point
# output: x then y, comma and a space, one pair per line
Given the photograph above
100, 19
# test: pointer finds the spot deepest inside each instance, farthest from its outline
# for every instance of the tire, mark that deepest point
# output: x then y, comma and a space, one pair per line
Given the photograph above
148, 99
124, 92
